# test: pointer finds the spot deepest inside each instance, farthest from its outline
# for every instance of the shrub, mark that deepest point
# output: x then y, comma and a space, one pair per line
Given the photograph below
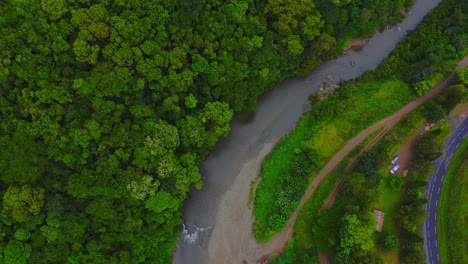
395, 182
22, 235
434, 112
367, 165
389, 242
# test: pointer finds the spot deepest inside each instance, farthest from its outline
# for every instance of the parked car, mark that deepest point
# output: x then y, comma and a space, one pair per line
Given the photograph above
395, 159
394, 169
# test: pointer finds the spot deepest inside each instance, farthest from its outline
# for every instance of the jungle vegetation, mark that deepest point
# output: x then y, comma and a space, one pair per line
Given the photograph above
109, 106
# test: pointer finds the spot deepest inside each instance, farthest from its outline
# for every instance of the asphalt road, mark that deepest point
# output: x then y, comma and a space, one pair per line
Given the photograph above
433, 192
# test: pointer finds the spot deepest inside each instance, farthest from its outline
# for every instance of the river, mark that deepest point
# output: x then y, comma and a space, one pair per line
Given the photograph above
216, 217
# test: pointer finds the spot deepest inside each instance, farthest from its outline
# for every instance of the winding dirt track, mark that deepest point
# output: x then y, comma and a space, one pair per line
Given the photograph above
232, 240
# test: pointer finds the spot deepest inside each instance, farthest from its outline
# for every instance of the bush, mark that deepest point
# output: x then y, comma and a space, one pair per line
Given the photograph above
389, 242
367, 165
395, 182
434, 112
22, 235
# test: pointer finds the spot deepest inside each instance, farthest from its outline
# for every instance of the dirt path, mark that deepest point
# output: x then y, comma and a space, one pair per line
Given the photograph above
331, 198
404, 153
232, 240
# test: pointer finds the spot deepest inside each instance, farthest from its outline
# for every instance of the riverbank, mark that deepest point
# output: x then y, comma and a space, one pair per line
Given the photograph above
277, 113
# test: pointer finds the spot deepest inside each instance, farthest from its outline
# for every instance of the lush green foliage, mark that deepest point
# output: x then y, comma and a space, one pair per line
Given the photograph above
453, 209
430, 52
356, 105
389, 242
395, 182
108, 108
367, 165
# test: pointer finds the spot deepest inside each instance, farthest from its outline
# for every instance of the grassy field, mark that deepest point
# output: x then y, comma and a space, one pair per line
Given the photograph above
453, 210
324, 133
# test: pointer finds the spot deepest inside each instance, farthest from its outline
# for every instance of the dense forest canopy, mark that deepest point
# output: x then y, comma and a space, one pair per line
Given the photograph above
108, 107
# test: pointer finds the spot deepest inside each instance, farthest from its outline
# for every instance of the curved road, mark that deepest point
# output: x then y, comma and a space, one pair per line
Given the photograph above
433, 192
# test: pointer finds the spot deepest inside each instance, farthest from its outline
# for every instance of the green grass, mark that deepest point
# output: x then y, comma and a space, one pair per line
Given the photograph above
388, 204
325, 134
453, 210
307, 240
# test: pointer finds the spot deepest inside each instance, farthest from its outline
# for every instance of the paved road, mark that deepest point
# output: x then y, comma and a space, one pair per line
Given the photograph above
433, 192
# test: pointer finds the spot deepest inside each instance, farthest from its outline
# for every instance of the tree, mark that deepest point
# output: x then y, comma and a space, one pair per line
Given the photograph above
191, 101
216, 117
434, 112
199, 64
294, 45
161, 201
367, 165
462, 75
22, 203
22, 234
390, 242
16, 252
354, 232
55, 9
395, 182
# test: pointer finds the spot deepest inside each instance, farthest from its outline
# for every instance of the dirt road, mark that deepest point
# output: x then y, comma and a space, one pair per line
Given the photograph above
232, 240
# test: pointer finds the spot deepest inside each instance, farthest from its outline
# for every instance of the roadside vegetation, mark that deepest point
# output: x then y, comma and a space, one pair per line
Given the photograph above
317, 231
453, 209
410, 70
345, 232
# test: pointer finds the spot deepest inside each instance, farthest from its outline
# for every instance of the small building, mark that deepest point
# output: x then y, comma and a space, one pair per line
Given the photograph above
379, 219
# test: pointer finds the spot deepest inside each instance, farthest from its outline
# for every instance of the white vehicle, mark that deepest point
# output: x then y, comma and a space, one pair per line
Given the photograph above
394, 169
395, 159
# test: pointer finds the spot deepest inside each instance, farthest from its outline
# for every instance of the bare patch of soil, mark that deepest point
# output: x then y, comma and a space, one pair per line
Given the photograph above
355, 44
324, 259
458, 114
406, 152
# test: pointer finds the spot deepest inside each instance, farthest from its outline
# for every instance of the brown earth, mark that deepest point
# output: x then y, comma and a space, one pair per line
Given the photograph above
232, 240
324, 259
355, 44
406, 152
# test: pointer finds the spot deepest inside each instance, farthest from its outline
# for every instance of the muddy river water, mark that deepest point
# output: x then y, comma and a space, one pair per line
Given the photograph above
217, 221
